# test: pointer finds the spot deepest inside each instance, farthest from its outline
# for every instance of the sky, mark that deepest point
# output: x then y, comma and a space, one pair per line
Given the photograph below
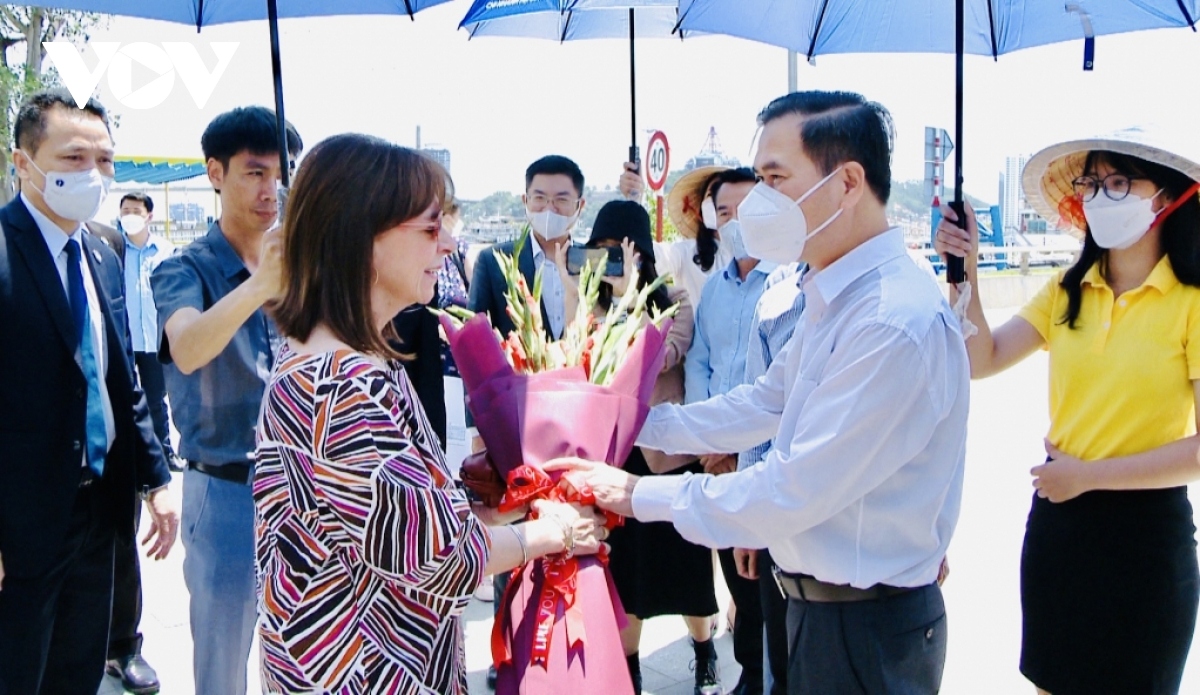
499, 103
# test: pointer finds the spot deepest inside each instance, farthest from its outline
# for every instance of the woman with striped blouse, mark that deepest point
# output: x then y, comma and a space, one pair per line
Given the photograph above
367, 552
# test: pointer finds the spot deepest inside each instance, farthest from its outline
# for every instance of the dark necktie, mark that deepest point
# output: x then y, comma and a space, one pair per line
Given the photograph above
97, 433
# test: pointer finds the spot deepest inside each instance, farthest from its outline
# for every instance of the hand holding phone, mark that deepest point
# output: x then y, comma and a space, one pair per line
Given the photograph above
611, 260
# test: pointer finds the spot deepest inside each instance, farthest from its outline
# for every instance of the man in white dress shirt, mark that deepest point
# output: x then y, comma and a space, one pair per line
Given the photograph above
866, 404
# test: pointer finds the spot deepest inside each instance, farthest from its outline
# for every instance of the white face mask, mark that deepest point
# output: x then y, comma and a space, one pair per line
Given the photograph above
74, 195
1119, 224
732, 239
550, 225
773, 225
132, 224
708, 213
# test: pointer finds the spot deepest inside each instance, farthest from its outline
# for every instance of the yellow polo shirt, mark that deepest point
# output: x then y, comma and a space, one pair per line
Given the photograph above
1121, 380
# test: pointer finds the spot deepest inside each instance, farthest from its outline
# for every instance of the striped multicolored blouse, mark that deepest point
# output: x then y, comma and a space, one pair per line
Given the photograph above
367, 552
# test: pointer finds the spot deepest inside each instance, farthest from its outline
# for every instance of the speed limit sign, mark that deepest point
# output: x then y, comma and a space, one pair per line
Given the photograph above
658, 161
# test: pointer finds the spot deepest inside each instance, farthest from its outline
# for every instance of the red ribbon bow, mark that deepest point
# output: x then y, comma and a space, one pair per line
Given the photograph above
525, 485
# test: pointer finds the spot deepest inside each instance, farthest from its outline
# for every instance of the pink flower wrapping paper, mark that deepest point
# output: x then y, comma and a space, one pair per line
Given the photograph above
529, 419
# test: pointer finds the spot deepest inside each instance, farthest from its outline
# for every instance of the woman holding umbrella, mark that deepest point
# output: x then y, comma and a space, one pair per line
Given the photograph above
1109, 579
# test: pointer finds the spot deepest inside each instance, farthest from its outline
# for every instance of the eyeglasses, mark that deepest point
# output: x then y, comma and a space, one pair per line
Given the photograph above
1116, 186
563, 205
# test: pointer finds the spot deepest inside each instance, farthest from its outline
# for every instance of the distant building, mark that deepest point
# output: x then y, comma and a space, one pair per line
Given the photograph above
1012, 200
437, 154
441, 156
181, 213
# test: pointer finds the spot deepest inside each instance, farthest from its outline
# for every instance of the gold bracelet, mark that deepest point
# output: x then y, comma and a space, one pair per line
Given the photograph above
521, 542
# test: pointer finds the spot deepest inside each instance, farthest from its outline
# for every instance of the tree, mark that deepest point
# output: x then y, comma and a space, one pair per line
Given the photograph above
22, 65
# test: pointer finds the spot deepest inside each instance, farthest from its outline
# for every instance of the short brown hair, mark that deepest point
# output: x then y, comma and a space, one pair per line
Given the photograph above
349, 189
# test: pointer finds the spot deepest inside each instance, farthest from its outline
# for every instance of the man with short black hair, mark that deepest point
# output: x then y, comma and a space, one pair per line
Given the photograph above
218, 346
866, 404
76, 441
553, 201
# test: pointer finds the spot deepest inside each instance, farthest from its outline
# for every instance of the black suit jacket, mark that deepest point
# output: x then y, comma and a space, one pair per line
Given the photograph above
417, 329
43, 400
487, 285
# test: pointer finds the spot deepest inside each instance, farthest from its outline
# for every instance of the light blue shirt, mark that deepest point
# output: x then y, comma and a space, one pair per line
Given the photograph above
139, 297
716, 361
774, 322
553, 299
867, 404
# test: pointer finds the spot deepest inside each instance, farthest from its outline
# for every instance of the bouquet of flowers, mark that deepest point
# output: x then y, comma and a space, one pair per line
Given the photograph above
536, 399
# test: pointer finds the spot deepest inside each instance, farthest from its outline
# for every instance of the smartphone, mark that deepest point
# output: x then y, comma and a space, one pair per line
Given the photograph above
613, 258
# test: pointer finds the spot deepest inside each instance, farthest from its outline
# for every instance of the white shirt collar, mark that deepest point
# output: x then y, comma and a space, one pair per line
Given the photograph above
867, 256
56, 239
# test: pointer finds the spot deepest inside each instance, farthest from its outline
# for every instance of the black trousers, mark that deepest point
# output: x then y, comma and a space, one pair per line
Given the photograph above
150, 376
747, 625
123, 636
54, 627
891, 646
774, 613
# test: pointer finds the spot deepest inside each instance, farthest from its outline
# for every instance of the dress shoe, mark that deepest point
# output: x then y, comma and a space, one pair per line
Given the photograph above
491, 677
137, 676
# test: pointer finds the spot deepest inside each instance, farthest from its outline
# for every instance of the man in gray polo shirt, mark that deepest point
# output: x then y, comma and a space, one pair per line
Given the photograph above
218, 346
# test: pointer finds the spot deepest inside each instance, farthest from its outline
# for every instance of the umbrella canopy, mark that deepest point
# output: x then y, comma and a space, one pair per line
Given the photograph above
200, 13
992, 27
571, 20
984, 27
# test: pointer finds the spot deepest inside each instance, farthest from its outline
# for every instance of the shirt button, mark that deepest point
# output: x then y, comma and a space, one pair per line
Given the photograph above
1122, 302
929, 633
1107, 324
76, 445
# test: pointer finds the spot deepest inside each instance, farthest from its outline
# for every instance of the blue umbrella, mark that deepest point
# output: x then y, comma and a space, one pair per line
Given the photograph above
982, 27
200, 13
571, 20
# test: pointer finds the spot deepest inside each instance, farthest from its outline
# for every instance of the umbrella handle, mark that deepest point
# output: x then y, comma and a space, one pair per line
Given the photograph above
956, 271
634, 155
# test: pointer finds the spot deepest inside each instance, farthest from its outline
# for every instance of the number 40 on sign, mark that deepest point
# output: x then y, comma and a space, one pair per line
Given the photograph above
658, 163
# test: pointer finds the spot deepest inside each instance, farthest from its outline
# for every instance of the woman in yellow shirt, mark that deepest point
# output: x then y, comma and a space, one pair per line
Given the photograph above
1109, 579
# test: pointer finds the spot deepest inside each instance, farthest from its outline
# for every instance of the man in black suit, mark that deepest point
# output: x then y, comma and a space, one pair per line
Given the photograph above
76, 441
553, 200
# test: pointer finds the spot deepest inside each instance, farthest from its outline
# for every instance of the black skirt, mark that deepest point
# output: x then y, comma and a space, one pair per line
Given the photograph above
1109, 592
655, 570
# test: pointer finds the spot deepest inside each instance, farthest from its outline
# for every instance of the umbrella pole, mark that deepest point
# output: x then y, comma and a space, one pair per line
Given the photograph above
955, 272
633, 147
277, 77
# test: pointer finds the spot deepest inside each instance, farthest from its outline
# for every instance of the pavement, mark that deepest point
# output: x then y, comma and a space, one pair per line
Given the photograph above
1007, 423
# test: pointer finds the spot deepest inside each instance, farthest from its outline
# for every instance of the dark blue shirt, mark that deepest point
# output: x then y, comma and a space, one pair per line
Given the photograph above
215, 407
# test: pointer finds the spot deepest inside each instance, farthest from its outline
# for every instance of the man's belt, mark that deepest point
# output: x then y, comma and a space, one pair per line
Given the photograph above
802, 587
232, 472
